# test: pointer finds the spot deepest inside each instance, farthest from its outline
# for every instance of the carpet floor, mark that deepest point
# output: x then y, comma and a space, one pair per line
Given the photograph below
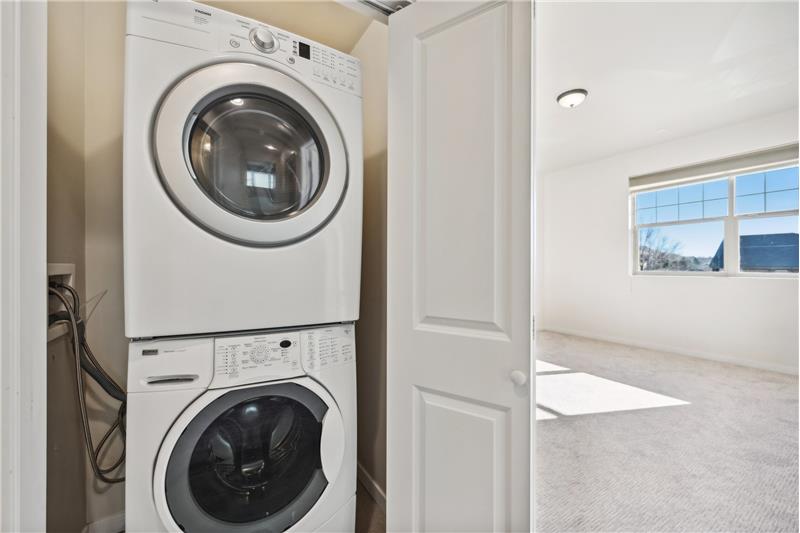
629, 439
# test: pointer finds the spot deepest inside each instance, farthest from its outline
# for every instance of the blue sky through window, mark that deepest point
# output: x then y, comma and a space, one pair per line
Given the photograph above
765, 192
768, 226
700, 240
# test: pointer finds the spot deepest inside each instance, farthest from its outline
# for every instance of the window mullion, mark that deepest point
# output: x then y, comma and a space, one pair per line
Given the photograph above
634, 228
731, 232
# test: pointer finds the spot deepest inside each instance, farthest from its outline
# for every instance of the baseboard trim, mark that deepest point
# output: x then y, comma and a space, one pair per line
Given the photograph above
373, 489
109, 524
710, 356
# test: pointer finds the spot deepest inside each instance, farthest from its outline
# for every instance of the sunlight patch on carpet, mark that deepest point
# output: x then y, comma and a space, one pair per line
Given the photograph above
581, 394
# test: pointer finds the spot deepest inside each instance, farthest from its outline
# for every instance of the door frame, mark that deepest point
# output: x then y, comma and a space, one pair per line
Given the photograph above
23, 265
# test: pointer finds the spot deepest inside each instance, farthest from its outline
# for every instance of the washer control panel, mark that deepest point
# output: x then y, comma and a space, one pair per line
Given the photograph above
271, 356
325, 348
255, 358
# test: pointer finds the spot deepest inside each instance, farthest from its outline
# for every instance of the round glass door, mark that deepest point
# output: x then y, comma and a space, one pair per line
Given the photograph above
249, 461
250, 154
256, 157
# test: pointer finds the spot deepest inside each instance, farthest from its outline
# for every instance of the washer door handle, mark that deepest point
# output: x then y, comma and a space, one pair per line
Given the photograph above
175, 379
332, 444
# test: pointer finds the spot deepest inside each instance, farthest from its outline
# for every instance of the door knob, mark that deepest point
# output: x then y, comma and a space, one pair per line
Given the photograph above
519, 377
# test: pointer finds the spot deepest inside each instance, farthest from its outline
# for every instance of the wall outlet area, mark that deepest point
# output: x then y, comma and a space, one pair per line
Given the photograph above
58, 273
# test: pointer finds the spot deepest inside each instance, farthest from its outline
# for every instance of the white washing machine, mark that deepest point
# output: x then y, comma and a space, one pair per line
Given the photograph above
242, 175
252, 433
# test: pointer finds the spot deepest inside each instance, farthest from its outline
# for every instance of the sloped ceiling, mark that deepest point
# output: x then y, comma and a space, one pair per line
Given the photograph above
329, 23
658, 71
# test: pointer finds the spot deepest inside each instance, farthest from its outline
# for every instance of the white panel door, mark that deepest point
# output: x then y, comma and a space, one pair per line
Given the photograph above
459, 267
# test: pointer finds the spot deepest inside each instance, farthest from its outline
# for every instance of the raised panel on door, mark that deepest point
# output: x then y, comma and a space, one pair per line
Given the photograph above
461, 176
458, 489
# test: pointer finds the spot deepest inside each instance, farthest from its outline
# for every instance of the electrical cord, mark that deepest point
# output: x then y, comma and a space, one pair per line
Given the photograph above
85, 361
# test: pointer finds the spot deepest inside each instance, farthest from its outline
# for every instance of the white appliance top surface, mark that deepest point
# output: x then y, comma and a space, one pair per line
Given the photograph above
194, 25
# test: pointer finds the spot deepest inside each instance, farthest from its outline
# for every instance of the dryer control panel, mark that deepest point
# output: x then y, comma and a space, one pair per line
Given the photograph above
203, 27
321, 64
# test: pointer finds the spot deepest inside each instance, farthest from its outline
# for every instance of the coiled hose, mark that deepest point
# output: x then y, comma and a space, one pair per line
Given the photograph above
85, 361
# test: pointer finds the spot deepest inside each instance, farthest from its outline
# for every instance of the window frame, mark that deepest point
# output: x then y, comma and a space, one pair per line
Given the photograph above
730, 221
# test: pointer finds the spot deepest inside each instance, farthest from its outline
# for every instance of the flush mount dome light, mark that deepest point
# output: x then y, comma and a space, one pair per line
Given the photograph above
572, 98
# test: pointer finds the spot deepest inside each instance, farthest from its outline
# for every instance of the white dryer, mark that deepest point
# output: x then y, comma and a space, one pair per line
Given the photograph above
242, 433
242, 175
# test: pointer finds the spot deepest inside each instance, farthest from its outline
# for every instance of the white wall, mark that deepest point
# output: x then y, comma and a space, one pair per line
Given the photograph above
584, 273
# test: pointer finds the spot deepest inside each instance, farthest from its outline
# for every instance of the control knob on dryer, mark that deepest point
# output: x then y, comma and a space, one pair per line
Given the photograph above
263, 40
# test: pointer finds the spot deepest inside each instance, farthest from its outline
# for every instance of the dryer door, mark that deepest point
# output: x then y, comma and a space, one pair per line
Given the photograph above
250, 459
250, 154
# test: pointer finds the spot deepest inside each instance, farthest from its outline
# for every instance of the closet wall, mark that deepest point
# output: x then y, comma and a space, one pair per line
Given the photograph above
85, 73
66, 497
372, 50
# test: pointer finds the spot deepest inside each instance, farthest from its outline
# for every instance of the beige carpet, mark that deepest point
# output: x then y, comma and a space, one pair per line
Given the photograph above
636, 440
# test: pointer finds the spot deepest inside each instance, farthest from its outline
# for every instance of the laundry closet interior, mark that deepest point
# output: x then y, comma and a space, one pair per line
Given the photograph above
284, 307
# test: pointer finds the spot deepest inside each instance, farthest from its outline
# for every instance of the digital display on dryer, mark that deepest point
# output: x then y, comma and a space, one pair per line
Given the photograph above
304, 50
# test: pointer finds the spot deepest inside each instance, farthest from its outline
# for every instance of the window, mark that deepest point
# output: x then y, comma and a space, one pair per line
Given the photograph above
686, 227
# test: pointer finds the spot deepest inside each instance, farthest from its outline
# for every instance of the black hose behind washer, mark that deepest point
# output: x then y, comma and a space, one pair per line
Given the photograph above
111, 388
85, 361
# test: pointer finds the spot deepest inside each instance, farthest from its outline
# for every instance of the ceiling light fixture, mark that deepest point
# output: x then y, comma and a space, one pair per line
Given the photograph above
572, 98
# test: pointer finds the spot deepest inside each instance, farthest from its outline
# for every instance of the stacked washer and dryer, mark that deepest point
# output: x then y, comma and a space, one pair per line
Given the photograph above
242, 227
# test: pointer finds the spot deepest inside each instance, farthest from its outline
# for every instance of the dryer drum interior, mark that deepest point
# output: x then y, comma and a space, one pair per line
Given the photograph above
248, 461
256, 155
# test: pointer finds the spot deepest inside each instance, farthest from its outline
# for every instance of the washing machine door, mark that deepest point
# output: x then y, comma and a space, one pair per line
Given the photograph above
250, 154
249, 459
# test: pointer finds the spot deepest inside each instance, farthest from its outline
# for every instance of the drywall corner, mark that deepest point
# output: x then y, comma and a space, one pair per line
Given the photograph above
372, 50
104, 35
